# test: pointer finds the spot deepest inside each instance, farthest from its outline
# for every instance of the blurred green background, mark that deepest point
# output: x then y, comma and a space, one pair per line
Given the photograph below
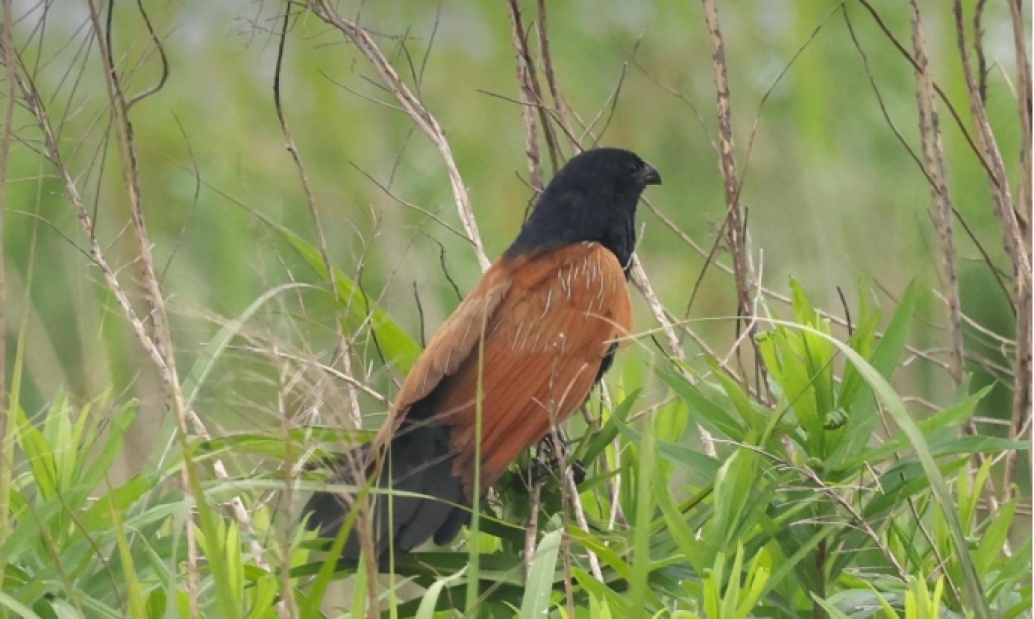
833, 197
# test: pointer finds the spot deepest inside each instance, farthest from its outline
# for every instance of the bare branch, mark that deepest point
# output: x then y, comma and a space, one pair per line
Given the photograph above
414, 109
559, 105
526, 83
1016, 240
6, 442
734, 224
534, 91
345, 347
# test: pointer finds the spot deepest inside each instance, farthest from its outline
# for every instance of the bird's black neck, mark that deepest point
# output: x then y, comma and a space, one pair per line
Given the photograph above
548, 230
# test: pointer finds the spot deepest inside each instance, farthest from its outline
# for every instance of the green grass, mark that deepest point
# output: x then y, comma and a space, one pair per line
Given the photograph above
781, 524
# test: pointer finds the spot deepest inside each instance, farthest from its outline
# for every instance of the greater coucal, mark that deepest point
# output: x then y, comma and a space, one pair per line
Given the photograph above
530, 341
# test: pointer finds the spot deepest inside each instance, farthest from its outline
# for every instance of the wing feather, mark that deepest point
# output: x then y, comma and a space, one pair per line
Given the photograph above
541, 356
543, 325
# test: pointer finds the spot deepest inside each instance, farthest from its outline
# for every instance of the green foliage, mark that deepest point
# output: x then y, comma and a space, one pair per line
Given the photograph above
771, 527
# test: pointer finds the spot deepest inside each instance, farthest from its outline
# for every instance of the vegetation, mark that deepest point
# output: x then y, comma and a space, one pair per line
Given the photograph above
825, 411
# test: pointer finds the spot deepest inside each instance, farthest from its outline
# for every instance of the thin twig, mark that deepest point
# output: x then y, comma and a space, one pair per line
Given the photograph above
415, 109
642, 283
1016, 244
1024, 98
979, 152
35, 105
6, 451
559, 105
531, 533
533, 90
735, 222
527, 98
343, 343
579, 517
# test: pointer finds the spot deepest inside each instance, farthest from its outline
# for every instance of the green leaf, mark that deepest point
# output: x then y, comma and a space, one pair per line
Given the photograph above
540, 577
156, 603
15, 606
429, 601
607, 434
949, 417
400, 350
38, 453
735, 487
699, 554
863, 414
754, 419
644, 507
697, 463
893, 404
710, 415
618, 604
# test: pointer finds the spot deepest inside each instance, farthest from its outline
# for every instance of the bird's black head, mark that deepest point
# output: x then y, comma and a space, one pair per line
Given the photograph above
593, 198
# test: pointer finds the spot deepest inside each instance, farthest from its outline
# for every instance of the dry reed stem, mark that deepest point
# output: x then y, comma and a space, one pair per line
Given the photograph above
1021, 410
735, 224
52, 152
1015, 239
415, 109
343, 342
995, 271
534, 93
158, 347
155, 298
941, 207
579, 517
524, 81
6, 458
1024, 96
559, 105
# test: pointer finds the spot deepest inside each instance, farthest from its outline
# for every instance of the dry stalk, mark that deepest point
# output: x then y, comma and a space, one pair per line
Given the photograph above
344, 344
526, 83
1024, 95
158, 346
995, 271
640, 281
415, 109
941, 206
1016, 240
534, 90
579, 516
559, 106
155, 298
35, 106
1021, 410
933, 158
734, 224
7, 49
287, 607
979, 152
531, 533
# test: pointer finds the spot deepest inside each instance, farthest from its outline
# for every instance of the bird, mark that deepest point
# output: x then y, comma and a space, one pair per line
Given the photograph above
522, 350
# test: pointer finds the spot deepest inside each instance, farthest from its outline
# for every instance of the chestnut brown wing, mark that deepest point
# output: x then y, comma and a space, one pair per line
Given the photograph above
541, 354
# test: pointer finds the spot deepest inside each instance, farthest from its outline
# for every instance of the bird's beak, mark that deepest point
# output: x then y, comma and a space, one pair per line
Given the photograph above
649, 175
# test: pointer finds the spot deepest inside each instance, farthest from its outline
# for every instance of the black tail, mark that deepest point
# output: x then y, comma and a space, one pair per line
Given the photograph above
419, 462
